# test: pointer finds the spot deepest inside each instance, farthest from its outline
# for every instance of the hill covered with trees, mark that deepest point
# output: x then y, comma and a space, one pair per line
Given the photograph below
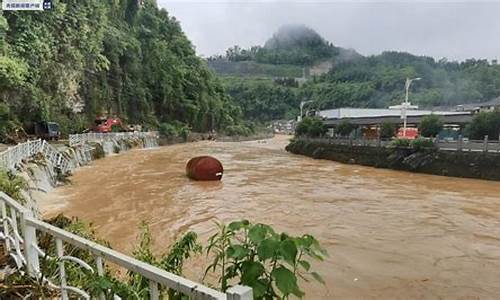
375, 81
101, 57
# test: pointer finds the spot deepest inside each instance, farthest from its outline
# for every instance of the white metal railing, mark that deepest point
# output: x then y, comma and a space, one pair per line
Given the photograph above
18, 232
93, 137
459, 144
14, 155
349, 141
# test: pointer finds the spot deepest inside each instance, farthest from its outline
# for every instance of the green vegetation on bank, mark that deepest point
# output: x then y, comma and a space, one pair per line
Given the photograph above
13, 185
311, 127
89, 58
484, 124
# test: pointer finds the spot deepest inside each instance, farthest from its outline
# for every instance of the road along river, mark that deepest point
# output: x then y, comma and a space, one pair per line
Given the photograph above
389, 234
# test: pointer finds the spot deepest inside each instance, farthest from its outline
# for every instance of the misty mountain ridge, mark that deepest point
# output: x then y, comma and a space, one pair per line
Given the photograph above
292, 44
292, 36
294, 50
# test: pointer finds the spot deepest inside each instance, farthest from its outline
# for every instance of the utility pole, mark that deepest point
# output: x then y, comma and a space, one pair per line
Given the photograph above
406, 105
302, 103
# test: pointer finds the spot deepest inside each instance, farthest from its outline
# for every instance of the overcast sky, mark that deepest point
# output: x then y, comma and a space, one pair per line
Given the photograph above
439, 29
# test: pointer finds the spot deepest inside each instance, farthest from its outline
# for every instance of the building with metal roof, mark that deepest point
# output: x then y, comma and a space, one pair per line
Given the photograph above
375, 116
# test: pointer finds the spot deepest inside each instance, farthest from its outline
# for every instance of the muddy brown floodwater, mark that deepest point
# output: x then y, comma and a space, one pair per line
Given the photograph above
389, 234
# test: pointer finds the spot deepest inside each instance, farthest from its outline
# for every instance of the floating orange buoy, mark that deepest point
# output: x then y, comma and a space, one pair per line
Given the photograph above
204, 168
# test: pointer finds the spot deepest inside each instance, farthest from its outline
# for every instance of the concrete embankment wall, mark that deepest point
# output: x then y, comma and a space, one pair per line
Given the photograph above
43, 177
447, 163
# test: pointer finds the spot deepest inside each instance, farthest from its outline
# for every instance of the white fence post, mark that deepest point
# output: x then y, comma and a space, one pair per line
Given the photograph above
100, 271
62, 270
5, 228
30, 253
239, 292
154, 294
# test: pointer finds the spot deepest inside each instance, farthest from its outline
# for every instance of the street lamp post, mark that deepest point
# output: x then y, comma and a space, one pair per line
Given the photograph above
406, 105
302, 103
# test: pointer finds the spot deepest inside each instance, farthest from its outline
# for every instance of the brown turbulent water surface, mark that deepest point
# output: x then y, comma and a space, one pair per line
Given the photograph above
389, 234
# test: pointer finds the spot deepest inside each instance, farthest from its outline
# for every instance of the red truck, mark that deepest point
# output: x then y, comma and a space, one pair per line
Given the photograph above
105, 125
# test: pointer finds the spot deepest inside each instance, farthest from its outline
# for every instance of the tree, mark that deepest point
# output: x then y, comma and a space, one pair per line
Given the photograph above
430, 126
344, 128
311, 127
387, 130
484, 123
105, 58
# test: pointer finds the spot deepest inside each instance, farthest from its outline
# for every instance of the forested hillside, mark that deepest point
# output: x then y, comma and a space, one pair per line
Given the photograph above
378, 81
105, 57
354, 81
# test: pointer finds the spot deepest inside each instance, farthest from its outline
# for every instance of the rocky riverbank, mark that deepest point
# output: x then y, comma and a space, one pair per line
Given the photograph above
429, 161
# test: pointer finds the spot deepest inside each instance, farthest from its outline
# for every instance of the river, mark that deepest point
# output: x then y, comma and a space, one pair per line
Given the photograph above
389, 234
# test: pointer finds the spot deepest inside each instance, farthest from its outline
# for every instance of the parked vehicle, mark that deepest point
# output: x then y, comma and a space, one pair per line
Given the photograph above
411, 133
47, 131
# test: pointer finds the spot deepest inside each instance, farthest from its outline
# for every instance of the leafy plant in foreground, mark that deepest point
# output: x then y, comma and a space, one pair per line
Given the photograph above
13, 185
256, 256
172, 261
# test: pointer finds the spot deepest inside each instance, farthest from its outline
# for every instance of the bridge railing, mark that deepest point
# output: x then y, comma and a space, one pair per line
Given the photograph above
93, 137
19, 234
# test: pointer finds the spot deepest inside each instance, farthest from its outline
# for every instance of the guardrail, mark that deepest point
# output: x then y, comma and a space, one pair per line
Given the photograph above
19, 233
94, 137
14, 155
443, 145
350, 141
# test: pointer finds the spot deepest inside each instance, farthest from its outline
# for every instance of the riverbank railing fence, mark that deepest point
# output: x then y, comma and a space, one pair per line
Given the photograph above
459, 144
19, 229
15, 155
95, 137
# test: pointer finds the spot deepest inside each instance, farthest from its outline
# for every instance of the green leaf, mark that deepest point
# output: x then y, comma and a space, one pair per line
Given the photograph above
318, 277
306, 265
259, 288
237, 251
237, 225
289, 251
286, 281
257, 233
250, 272
267, 248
